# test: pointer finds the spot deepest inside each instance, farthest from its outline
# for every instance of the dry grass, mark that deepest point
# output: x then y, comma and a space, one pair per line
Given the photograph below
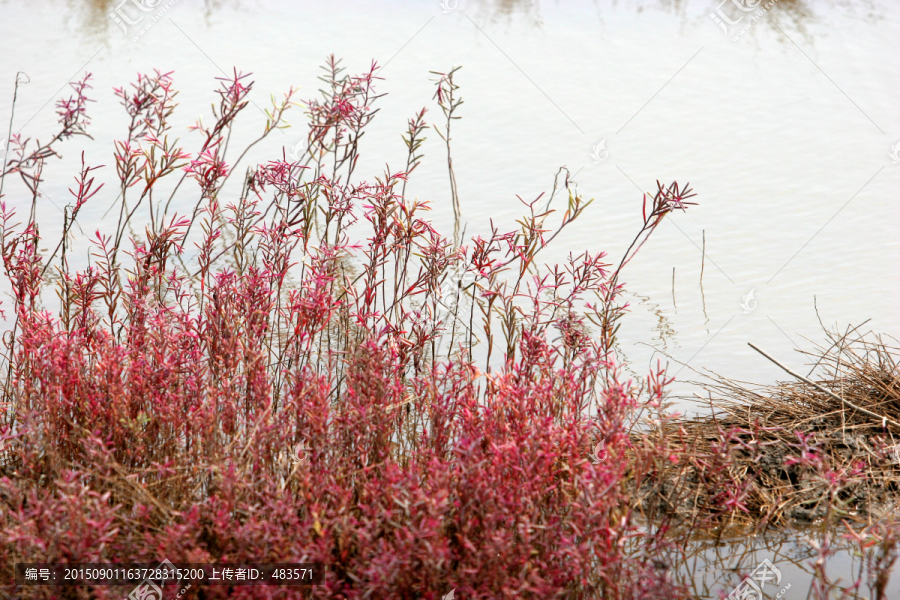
794, 452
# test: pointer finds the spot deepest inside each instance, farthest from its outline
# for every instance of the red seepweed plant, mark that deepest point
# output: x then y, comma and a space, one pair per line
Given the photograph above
153, 415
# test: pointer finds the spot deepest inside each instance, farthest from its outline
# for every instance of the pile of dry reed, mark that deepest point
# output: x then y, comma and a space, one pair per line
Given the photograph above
825, 446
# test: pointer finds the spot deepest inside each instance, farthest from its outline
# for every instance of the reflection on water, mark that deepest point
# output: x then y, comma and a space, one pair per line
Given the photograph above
663, 328
504, 10
715, 567
92, 17
92, 21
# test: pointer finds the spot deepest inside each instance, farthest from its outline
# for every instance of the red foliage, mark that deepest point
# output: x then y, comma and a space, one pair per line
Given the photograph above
153, 416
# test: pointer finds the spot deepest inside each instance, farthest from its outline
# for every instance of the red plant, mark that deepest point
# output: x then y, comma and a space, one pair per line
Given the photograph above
154, 416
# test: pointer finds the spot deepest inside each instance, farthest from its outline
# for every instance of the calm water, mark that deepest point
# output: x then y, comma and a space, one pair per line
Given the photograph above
720, 566
785, 134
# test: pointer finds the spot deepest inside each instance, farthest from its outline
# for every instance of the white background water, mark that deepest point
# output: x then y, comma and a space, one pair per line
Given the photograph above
784, 134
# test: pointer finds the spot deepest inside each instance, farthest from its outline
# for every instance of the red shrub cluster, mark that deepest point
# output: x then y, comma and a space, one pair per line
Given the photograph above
154, 414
